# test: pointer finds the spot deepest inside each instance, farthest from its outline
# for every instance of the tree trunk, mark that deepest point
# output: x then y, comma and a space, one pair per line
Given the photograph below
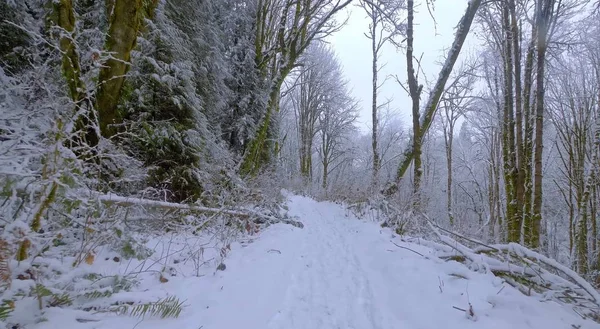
259, 153
582, 233
125, 21
509, 153
519, 173
325, 170
593, 218
544, 12
491, 200
374, 49
449, 142
526, 164
85, 136
434, 97
65, 18
448, 132
415, 95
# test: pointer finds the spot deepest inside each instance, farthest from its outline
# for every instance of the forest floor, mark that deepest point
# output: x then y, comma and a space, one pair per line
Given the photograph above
336, 272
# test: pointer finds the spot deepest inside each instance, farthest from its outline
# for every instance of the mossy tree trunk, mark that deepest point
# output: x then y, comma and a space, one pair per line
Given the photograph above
527, 149
545, 14
284, 30
63, 16
261, 150
509, 146
125, 19
431, 106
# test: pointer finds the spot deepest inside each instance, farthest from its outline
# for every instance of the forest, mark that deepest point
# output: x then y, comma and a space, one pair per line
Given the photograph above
124, 119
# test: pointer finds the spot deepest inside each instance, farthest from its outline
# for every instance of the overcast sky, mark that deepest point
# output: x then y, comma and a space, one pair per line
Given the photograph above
354, 52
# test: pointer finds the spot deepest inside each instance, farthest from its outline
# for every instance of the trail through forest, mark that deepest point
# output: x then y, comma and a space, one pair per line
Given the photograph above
340, 272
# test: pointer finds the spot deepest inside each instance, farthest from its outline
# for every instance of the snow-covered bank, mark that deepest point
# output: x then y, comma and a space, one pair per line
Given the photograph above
336, 272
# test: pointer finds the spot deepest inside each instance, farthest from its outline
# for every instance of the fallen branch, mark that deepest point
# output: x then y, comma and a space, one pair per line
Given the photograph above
524, 269
465, 238
416, 252
460, 309
522, 251
112, 199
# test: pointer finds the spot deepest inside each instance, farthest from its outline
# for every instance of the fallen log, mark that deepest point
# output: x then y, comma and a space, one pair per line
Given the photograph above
113, 199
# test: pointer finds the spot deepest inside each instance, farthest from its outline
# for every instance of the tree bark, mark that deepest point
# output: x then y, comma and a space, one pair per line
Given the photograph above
544, 13
415, 95
124, 24
65, 19
286, 36
526, 164
375, 54
519, 173
435, 95
509, 146
85, 136
449, 141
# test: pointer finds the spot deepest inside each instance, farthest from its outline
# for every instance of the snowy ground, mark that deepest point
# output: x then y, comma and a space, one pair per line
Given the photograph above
337, 272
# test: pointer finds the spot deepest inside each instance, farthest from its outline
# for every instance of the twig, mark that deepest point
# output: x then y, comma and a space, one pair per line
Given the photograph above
499, 291
460, 309
466, 238
416, 252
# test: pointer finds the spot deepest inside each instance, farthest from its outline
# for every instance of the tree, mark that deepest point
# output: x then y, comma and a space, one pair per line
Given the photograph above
422, 121
312, 86
572, 107
454, 104
249, 91
573, 116
336, 120
284, 30
379, 33
126, 19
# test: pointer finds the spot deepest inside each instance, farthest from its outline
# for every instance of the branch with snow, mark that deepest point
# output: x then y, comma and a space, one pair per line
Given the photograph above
113, 199
523, 269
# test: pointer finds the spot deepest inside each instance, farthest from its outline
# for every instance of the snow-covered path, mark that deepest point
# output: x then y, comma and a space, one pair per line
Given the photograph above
342, 273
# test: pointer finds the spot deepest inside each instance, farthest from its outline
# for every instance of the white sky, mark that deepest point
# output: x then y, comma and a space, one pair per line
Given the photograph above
354, 52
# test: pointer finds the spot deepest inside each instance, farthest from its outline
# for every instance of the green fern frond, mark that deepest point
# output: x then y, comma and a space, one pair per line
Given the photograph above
63, 299
169, 307
123, 283
97, 294
6, 308
39, 290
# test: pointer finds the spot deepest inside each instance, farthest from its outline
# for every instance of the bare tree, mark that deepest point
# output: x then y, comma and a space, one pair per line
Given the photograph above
284, 30
379, 33
454, 104
336, 121
421, 122
312, 86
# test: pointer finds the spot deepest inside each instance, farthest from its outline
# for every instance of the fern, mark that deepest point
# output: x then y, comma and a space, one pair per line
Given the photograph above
133, 249
92, 276
6, 308
97, 294
123, 283
63, 299
169, 307
40, 291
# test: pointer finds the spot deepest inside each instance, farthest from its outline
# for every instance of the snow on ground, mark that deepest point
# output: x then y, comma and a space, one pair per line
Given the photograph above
337, 272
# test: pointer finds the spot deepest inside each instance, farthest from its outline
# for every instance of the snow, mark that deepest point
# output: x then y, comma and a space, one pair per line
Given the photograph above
336, 272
